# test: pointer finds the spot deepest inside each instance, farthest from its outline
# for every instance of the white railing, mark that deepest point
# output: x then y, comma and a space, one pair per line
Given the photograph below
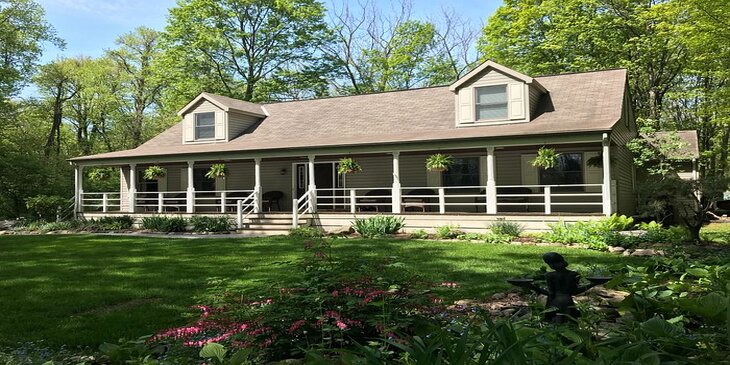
161, 201
104, 202
245, 207
221, 201
549, 196
305, 204
355, 199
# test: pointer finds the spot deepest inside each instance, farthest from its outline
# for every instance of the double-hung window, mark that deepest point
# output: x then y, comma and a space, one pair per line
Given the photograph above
568, 170
464, 171
205, 125
491, 103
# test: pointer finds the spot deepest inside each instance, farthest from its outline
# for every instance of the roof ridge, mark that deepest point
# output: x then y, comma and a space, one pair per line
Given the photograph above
582, 72
356, 95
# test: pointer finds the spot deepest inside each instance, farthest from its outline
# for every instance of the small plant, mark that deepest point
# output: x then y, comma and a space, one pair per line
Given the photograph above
419, 234
154, 173
448, 232
112, 223
503, 227
210, 224
217, 170
101, 174
306, 232
497, 238
164, 224
470, 236
546, 158
378, 226
347, 165
439, 162
45, 207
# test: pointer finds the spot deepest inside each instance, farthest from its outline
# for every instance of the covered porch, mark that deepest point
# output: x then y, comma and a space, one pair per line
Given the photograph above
488, 180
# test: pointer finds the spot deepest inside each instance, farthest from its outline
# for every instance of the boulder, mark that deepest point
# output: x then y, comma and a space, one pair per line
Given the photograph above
343, 230
647, 252
616, 249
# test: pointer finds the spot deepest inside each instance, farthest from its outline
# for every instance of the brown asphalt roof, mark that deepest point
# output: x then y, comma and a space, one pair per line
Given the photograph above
689, 148
578, 102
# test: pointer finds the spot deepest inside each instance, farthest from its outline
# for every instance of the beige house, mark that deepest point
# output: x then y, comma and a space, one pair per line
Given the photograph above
282, 158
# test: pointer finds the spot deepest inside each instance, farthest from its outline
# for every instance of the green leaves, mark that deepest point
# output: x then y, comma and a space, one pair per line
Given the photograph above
214, 351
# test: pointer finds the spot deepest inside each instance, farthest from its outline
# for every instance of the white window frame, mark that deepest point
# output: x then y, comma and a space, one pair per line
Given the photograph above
475, 97
195, 126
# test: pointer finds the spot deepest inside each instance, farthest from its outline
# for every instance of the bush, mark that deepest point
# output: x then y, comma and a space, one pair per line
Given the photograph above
419, 234
112, 223
509, 228
165, 224
45, 207
448, 232
497, 238
306, 232
378, 226
470, 236
656, 233
210, 224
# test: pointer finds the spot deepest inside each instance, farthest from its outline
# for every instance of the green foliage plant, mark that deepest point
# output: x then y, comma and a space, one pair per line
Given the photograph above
217, 170
448, 232
378, 226
206, 224
546, 158
347, 165
306, 232
439, 162
164, 224
154, 173
512, 229
419, 234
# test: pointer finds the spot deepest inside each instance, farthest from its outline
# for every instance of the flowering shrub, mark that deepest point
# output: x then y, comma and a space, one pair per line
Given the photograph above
337, 303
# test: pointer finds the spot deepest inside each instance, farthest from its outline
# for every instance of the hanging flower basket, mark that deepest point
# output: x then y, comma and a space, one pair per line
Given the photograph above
218, 170
154, 173
439, 162
546, 158
348, 166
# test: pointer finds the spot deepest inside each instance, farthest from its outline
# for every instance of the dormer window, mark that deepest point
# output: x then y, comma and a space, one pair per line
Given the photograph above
204, 125
491, 103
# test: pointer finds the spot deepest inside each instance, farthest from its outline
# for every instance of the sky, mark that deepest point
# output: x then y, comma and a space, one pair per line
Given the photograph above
91, 26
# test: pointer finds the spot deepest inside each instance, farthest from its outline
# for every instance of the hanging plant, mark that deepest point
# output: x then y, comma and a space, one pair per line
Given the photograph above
439, 162
100, 174
348, 166
217, 170
154, 173
546, 158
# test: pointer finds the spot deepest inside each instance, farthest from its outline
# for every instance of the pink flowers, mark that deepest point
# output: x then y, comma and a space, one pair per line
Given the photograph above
296, 326
450, 284
341, 325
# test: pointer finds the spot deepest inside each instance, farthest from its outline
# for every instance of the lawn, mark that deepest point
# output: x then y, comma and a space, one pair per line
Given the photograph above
717, 232
87, 289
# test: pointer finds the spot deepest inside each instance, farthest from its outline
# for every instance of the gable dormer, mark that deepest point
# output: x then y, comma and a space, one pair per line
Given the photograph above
211, 118
495, 94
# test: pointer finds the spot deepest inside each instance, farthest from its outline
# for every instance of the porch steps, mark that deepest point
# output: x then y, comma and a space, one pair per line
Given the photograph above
268, 224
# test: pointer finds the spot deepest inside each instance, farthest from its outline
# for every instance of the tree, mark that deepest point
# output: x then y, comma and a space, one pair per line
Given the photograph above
56, 85
141, 86
234, 46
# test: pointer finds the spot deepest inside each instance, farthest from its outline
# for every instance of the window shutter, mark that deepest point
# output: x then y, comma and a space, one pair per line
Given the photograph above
183, 179
516, 94
466, 106
592, 175
529, 172
188, 128
220, 129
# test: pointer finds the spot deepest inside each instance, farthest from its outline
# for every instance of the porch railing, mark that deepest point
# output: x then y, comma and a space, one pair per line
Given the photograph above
101, 202
221, 201
549, 196
161, 201
245, 207
305, 204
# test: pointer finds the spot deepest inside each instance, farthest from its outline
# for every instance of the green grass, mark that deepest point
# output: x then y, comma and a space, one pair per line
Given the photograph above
717, 232
85, 289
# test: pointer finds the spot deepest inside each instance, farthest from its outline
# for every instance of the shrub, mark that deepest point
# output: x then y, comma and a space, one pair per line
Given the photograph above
597, 235
113, 223
306, 232
164, 224
378, 226
45, 207
470, 236
509, 228
497, 238
419, 234
210, 224
448, 232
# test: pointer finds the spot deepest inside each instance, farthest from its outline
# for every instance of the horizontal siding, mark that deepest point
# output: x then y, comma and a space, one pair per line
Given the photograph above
535, 96
239, 123
202, 106
622, 165
273, 180
465, 95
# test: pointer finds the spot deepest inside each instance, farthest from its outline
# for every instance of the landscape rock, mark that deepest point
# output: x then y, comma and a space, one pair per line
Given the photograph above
647, 252
343, 230
499, 296
616, 249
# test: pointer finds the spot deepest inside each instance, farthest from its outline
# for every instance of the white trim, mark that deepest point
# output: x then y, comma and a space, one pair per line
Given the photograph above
212, 100
606, 188
495, 66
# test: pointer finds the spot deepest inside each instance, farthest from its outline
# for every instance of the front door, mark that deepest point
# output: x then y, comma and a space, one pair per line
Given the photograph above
327, 181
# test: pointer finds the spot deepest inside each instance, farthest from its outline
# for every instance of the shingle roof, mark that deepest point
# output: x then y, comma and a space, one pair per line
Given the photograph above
579, 102
688, 150
228, 103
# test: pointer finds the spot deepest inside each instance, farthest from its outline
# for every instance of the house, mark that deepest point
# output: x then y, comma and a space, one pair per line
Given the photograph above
282, 158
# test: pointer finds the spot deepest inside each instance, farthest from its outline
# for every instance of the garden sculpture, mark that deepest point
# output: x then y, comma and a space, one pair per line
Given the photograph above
562, 285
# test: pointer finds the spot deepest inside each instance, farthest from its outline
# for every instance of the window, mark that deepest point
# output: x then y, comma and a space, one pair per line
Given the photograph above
463, 172
144, 185
491, 102
201, 182
568, 170
204, 125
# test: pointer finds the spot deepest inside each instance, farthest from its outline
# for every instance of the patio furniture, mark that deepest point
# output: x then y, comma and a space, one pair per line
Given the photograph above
480, 201
377, 197
271, 198
178, 202
418, 199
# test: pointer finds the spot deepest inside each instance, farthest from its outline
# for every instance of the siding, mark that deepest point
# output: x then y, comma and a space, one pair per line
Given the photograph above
203, 106
239, 123
622, 164
535, 96
124, 188
465, 107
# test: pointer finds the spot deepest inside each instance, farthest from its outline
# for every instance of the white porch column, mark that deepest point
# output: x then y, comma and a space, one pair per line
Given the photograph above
312, 185
132, 194
606, 188
78, 189
257, 185
396, 196
695, 175
190, 191
491, 182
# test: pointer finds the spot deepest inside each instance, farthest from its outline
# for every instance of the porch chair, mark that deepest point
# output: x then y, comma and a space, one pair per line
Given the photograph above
419, 201
480, 200
378, 199
271, 198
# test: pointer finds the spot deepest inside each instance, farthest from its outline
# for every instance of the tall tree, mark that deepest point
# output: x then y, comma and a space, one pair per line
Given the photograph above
134, 55
234, 46
55, 82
